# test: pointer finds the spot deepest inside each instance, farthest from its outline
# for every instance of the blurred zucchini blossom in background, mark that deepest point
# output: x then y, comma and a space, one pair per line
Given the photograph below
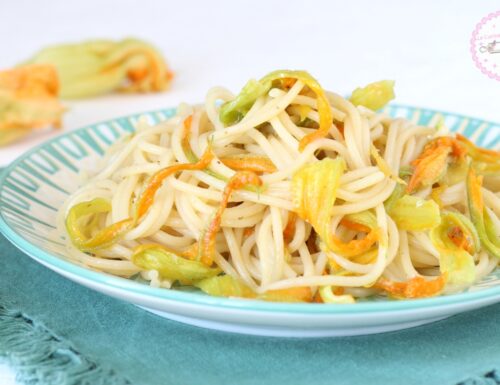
28, 93
28, 101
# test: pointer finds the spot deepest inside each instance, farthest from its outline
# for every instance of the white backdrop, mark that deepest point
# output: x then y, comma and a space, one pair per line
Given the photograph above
423, 45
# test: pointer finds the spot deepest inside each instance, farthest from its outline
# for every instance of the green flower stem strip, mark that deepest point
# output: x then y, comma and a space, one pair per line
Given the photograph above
456, 240
171, 266
375, 95
235, 110
414, 214
227, 286
479, 215
80, 234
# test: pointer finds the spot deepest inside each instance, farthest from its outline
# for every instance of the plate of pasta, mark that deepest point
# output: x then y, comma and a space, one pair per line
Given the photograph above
282, 210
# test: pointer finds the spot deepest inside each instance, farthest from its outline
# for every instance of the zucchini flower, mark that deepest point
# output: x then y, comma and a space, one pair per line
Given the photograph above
28, 100
101, 66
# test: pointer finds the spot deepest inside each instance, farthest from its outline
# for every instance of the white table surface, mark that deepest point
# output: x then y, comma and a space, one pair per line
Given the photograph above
423, 45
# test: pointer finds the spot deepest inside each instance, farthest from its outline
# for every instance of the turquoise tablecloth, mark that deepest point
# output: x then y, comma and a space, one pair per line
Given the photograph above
56, 332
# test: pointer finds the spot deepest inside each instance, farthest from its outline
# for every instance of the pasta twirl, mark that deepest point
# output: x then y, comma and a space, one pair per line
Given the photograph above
287, 192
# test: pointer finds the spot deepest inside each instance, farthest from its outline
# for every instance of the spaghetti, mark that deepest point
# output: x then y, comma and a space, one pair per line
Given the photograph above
287, 192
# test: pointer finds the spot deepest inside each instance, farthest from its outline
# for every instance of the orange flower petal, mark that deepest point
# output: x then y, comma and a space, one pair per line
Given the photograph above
428, 167
354, 226
289, 230
156, 181
258, 164
417, 287
28, 101
237, 181
356, 246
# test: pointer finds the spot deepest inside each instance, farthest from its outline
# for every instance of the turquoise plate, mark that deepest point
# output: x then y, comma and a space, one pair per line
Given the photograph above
37, 183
